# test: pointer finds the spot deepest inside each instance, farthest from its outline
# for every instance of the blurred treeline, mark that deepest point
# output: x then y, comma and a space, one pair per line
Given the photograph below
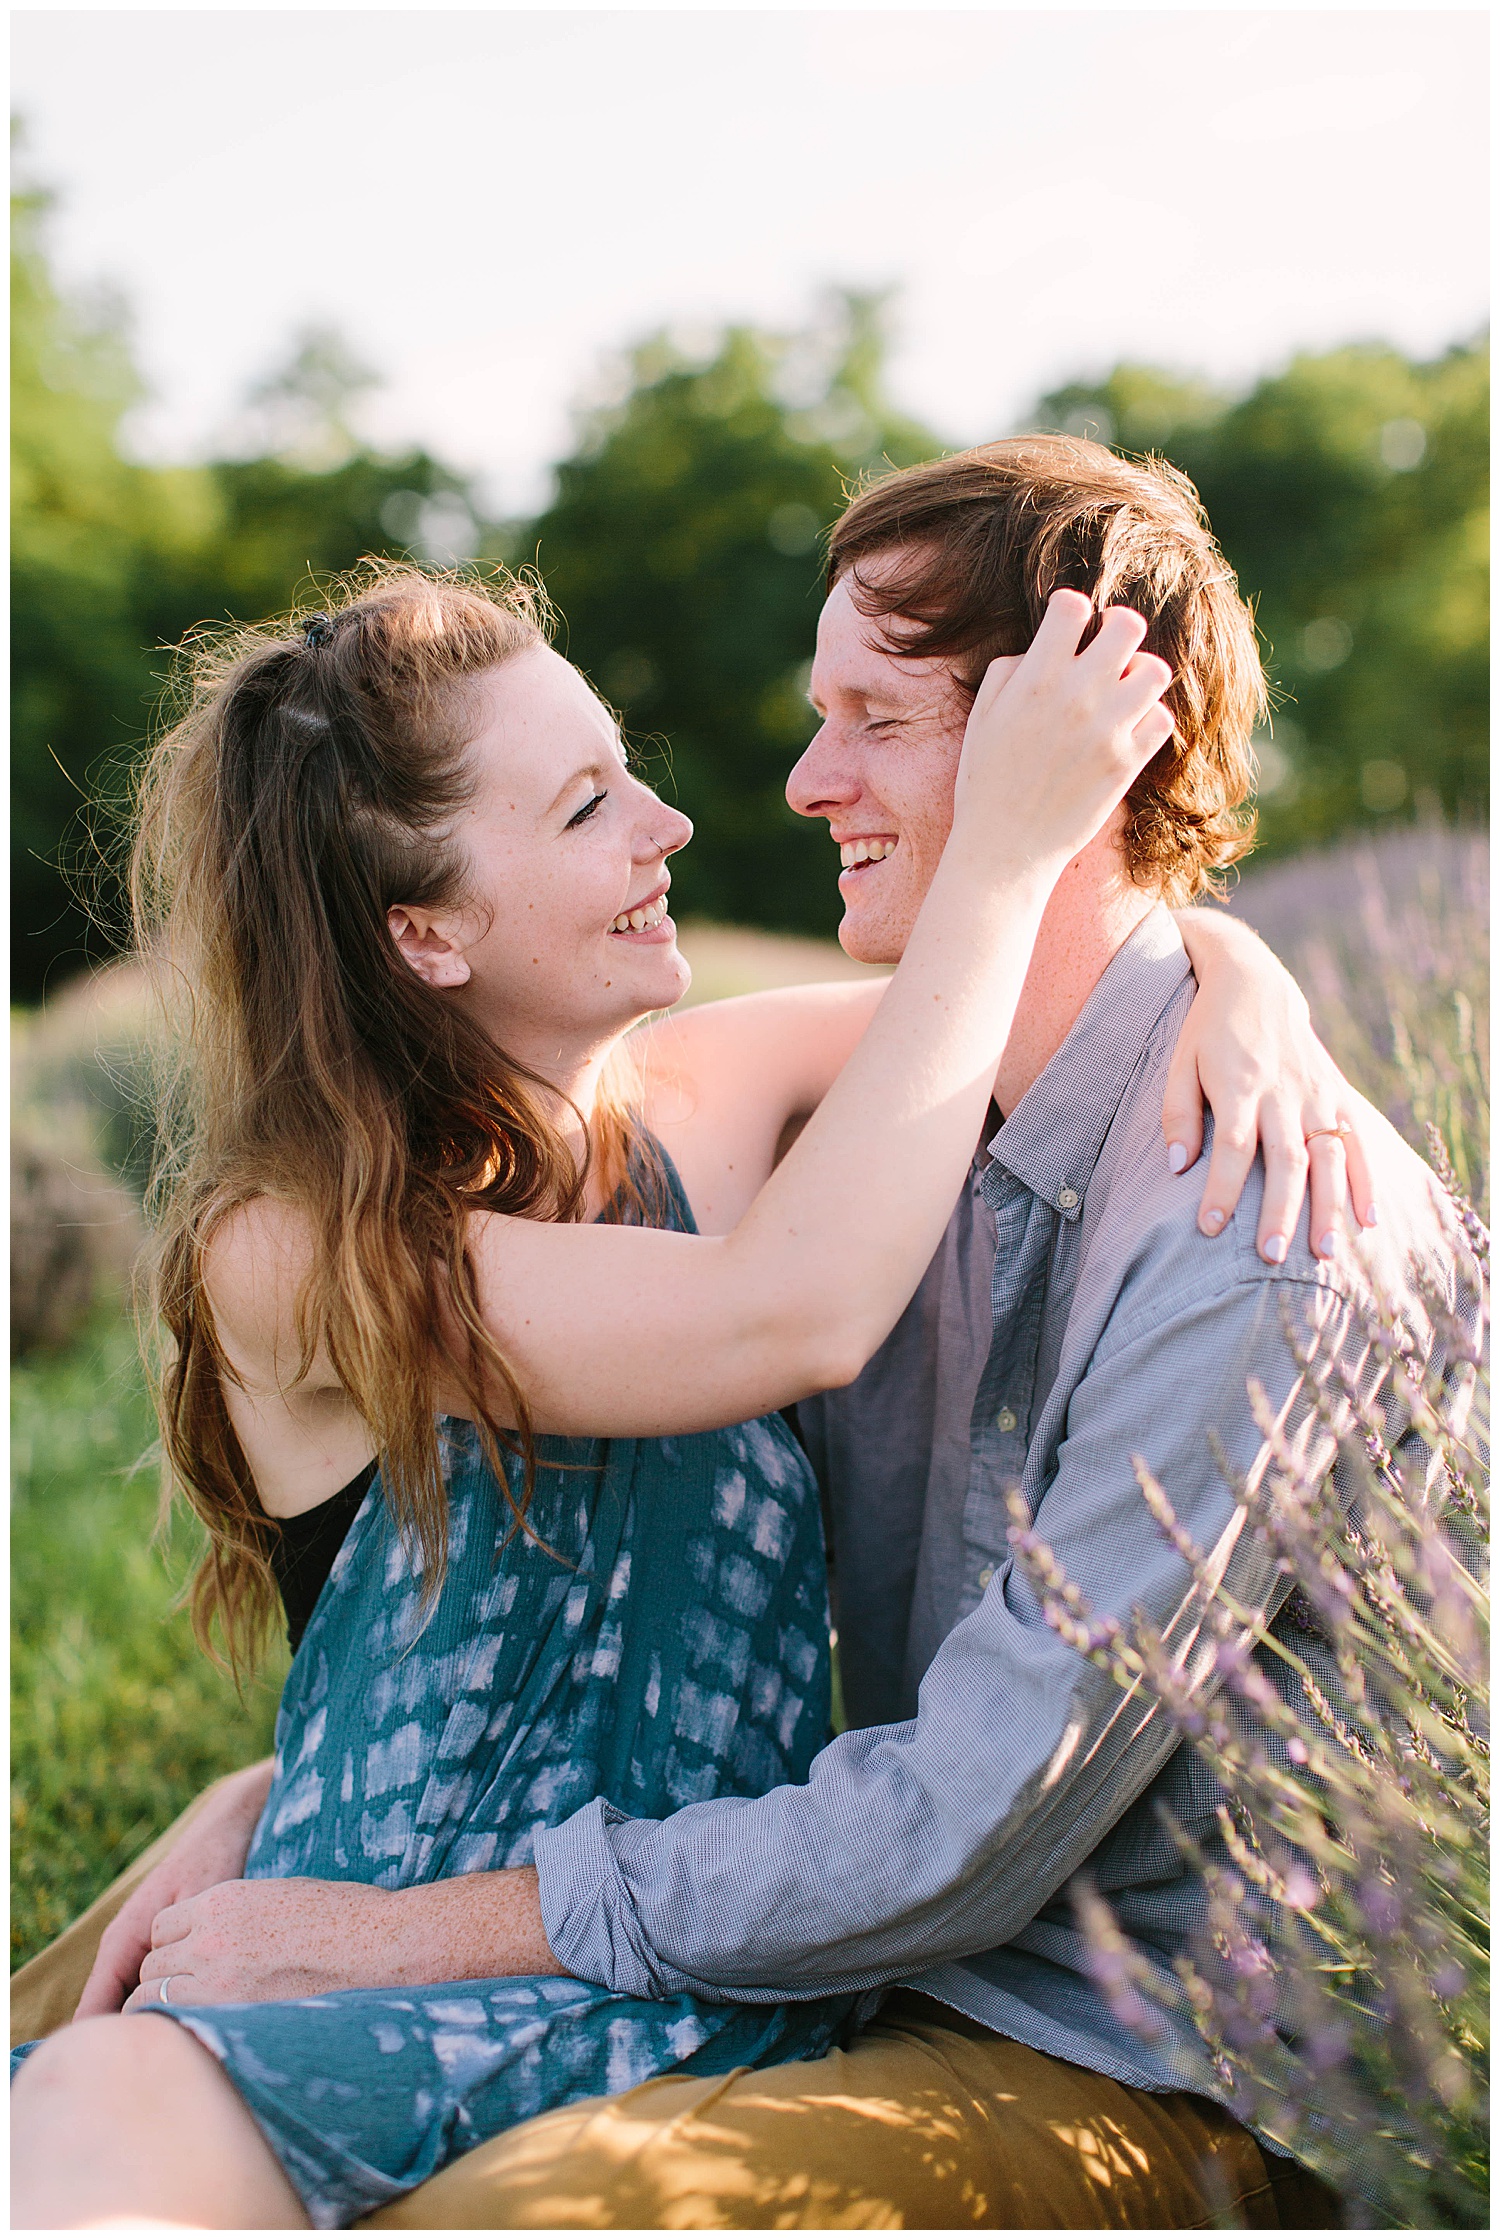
681, 548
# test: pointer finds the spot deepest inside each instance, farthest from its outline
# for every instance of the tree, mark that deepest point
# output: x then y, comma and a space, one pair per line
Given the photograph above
1350, 493
88, 532
682, 548
114, 563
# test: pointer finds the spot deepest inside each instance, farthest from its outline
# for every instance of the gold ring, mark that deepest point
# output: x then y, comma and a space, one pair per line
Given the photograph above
1341, 1130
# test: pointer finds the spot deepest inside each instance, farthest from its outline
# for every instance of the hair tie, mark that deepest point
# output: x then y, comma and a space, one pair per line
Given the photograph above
319, 632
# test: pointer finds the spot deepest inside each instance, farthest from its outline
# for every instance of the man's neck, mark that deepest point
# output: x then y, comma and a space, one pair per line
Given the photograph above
1093, 912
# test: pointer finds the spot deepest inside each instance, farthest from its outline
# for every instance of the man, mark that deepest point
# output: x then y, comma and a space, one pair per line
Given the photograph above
1076, 1316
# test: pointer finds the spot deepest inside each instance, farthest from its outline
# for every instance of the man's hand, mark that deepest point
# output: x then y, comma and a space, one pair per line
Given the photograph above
298, 1938
211, 1849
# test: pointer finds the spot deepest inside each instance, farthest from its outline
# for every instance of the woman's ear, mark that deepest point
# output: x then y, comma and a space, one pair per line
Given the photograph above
432, 946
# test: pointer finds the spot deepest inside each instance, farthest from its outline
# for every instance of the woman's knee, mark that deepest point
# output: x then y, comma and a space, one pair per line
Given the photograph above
129, 2117
110, 2060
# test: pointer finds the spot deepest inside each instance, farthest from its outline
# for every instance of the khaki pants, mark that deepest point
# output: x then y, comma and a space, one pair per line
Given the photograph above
927, 2122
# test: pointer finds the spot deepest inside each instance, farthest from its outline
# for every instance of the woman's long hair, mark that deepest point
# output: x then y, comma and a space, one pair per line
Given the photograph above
308, 788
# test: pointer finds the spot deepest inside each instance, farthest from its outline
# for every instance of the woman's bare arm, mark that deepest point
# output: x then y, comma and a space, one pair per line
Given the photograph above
720, 1084
1248, 1051
631, 1332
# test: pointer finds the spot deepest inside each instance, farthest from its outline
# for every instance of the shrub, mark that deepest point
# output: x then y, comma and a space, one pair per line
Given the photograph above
73, 1236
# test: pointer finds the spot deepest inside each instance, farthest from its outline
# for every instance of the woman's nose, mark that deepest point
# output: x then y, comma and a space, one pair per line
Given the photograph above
666, 829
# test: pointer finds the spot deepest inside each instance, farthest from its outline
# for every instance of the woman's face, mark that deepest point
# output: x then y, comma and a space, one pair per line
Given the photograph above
563, 938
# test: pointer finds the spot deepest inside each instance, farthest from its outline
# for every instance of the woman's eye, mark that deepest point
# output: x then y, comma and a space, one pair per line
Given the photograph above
586, 811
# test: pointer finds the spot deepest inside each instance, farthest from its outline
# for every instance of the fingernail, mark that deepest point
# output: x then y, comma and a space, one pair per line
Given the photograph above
1371, 1216
1176, 1157
1327, 1246
1274, 1249
1213, 1221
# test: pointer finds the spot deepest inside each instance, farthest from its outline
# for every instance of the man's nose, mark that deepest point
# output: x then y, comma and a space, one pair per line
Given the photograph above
821, 781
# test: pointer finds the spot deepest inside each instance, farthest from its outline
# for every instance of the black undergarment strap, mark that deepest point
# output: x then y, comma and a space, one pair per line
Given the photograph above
303, 1552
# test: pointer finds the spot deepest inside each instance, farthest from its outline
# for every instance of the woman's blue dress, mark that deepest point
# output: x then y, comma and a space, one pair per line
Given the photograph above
673, 1647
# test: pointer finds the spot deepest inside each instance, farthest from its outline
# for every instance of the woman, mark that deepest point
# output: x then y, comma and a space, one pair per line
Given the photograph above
419, 898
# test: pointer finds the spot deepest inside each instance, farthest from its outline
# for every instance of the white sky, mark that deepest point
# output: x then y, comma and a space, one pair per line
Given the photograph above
486, 201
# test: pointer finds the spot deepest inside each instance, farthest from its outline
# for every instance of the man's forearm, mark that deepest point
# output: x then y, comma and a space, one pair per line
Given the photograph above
914, 1844
469, 1927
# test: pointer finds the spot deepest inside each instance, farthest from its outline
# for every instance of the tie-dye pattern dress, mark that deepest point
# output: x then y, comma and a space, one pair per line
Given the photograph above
673, 1647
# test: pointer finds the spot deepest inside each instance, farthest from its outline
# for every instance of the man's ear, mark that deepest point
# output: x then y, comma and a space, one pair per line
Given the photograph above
431, 945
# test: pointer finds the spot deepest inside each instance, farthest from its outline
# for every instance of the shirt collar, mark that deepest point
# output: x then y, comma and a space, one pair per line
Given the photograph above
1052, 1141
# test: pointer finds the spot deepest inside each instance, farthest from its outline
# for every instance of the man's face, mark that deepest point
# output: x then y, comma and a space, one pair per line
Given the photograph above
881, 769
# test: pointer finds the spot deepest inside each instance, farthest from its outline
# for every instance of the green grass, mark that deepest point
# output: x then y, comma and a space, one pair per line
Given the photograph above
117, 1719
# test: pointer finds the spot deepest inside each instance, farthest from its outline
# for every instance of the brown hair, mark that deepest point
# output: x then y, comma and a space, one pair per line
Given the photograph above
986, 536
307, 789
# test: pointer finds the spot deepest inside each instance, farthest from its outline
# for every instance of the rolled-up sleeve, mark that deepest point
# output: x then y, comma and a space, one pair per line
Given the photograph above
943, 1837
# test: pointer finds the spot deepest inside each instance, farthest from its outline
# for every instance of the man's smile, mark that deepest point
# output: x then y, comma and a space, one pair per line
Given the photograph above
872, 848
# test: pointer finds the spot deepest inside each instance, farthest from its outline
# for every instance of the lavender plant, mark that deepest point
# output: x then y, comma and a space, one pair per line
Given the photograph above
1340, 1984
1388, 938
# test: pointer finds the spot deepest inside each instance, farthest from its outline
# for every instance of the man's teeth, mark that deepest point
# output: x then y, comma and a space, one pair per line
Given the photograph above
852, 852
637, 921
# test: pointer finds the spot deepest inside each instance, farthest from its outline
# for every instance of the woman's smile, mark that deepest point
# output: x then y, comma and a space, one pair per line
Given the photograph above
645, 922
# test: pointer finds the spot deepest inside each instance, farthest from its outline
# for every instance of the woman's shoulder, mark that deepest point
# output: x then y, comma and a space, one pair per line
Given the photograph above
256, 1259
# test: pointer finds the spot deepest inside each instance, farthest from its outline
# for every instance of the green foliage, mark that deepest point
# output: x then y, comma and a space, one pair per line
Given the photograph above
114, 563
92, 537
683, 550
1350, 493
117, 1720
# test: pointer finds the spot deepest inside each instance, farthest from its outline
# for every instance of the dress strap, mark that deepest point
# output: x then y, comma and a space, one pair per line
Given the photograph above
656, 1198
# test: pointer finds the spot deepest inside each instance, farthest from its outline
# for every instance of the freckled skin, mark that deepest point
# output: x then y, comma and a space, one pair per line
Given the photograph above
297, 1937
560, 839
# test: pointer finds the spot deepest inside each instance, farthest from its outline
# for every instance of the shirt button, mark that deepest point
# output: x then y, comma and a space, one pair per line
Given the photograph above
1006, 1420
1067, 1198
986, 1574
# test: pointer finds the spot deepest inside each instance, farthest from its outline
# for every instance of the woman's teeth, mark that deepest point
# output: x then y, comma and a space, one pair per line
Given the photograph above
640, 921
852, 852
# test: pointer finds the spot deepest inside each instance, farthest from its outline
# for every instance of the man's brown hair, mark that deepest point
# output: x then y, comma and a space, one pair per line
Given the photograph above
985, 537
